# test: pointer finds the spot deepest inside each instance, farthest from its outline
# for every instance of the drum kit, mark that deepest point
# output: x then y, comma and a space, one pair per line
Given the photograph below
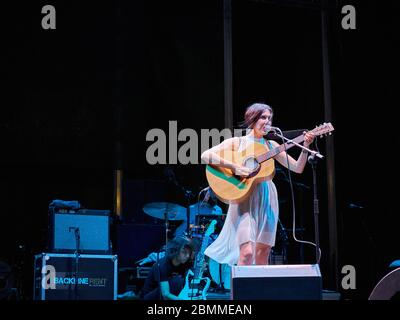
161, 210
200, 214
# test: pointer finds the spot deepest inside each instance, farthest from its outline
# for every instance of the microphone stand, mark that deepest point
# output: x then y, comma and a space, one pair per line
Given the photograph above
312, 159
187, 194
77, 243
289, 141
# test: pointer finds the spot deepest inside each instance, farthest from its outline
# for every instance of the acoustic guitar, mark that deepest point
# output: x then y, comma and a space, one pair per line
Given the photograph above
230, 188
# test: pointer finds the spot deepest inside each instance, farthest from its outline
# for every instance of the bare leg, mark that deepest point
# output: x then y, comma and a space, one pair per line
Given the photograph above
246, 254
262, 253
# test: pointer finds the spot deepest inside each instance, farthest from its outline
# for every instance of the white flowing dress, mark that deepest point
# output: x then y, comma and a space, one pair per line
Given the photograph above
254, 220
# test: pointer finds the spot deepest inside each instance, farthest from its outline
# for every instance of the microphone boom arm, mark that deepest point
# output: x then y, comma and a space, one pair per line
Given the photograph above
313, 153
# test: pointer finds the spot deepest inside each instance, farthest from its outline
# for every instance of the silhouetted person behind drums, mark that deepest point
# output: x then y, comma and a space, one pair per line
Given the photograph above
167, 277
250, 227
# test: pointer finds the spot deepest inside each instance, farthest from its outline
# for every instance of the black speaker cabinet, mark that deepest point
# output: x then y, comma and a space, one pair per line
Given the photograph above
55, 277
88, 229
276, 282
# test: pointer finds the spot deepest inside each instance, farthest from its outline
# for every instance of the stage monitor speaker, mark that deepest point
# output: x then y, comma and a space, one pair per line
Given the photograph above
90, 227
276, 282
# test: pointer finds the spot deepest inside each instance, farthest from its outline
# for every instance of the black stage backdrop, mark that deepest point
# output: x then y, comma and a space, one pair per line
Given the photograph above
78, 101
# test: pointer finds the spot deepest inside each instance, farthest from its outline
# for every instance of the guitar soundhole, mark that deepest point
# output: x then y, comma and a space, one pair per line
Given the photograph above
251, 163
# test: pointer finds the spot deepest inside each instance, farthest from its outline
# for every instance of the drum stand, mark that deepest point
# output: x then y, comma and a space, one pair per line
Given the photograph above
166, 223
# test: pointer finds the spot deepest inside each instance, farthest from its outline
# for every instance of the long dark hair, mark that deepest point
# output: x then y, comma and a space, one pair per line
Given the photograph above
253, 113
176, 244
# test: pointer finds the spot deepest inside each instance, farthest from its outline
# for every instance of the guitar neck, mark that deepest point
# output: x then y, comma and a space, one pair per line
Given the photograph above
272, 153
200, 258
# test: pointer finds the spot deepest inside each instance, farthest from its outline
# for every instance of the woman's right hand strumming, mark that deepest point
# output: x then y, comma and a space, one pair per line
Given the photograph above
241, 171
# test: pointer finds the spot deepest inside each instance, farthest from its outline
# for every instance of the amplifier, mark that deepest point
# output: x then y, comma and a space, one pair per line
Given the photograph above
143, 272
276, 282
87, 229
96, 277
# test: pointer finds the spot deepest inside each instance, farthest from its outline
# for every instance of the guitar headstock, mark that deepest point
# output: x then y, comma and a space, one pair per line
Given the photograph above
211, 228
323, 129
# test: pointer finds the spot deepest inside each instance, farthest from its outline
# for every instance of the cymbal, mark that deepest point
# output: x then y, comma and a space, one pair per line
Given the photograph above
160, 209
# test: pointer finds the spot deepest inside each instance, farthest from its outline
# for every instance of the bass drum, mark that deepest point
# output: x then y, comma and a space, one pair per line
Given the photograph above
220, 273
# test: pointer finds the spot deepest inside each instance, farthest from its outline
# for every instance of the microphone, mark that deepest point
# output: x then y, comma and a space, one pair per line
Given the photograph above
207, 196
271, 128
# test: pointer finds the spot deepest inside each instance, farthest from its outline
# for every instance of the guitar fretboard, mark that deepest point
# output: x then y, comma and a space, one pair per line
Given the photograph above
272, 153
200, 258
